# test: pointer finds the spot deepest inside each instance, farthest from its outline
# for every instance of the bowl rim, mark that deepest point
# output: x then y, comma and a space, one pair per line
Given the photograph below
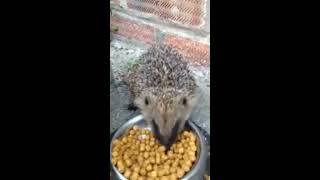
187, 176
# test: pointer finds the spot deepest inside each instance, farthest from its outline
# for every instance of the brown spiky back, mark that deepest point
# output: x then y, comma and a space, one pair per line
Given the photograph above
161, 68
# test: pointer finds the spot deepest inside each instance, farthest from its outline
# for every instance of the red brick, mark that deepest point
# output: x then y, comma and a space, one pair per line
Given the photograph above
198, 53
117, 2
131, 29
195, 21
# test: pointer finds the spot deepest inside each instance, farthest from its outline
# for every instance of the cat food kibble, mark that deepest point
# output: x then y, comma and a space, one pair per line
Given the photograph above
137, 155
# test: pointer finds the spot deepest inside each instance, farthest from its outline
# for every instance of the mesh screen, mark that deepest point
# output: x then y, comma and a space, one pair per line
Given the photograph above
184, 12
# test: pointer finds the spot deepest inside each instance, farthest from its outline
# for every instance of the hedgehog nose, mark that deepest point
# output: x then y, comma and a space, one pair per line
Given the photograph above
173, 136
165, 141
168, 140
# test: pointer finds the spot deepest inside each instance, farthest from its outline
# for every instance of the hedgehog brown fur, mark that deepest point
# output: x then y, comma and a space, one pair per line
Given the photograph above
164, 90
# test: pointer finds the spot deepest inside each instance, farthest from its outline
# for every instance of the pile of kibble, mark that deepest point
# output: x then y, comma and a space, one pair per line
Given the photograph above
138, 156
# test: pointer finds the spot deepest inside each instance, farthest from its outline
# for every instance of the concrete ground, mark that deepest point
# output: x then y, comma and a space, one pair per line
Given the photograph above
122, 54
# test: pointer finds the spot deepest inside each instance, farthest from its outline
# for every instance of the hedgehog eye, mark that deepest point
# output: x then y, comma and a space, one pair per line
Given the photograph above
184, 101
146, 101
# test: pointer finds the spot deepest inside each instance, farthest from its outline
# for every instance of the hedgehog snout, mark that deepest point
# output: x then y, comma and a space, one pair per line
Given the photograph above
167, 139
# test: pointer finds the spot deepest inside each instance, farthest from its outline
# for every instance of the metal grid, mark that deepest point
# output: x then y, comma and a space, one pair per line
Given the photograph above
184, 12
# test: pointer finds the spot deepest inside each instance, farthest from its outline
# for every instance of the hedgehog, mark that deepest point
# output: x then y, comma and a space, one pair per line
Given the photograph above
164, 90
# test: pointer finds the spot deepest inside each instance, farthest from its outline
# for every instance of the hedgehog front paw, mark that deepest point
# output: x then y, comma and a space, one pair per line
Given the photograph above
132, 107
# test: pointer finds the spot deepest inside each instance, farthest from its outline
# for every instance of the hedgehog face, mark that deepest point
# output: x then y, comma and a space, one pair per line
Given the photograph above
166, 115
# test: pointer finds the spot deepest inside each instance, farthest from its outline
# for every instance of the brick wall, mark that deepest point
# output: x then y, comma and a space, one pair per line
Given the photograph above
182, 24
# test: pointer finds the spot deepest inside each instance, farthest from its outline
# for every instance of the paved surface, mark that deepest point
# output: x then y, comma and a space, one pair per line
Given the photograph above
123, 53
